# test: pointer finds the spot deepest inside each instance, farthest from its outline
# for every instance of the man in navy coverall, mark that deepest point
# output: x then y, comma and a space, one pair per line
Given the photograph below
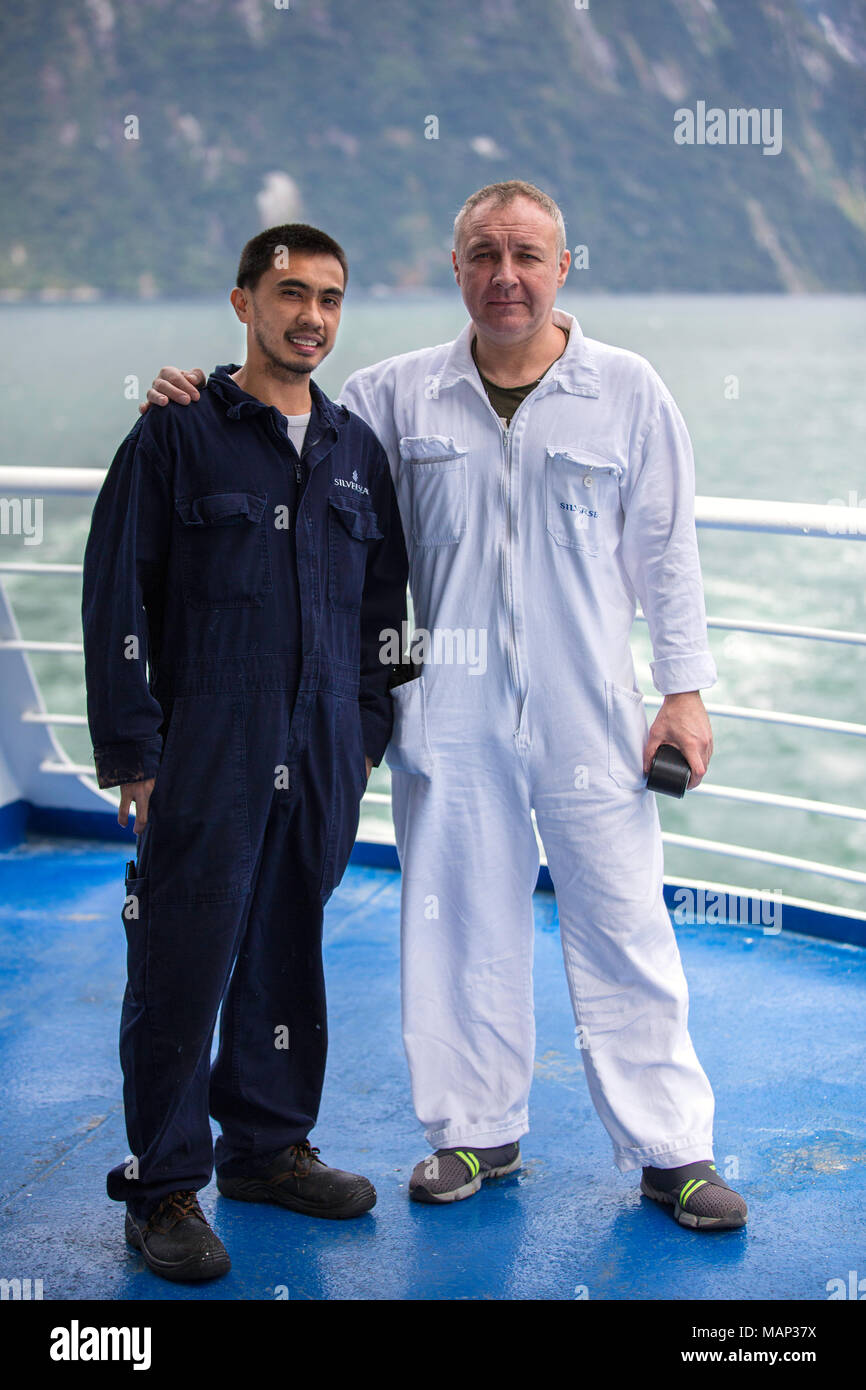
248, 553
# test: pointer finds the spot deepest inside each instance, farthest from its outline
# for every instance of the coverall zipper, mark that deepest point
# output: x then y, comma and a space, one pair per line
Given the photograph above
509, 590
284, 439
505, 433
514, 656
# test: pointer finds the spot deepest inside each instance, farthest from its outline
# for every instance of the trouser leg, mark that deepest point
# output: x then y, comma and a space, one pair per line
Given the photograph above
185, 919
469, 863
625, 976
179, 959
267, 1079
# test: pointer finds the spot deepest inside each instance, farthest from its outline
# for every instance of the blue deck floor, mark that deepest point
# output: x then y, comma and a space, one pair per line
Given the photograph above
777, 1022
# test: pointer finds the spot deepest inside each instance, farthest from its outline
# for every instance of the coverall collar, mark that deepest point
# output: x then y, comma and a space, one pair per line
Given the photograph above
575, 371
326, 417
241, 403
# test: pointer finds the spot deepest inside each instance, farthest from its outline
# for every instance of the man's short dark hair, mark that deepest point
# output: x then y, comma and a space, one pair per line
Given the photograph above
262, 252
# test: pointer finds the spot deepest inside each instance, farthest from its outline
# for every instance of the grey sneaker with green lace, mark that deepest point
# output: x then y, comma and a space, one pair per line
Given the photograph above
449, 1175
700, 1198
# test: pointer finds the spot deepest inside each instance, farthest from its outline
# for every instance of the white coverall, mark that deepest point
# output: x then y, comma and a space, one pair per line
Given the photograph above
541, 537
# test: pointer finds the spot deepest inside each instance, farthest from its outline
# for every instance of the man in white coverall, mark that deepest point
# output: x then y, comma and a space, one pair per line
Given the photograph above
545, 482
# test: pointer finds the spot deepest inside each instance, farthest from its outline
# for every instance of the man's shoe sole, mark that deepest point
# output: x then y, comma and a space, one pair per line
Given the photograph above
254, 1190
420, 1194
688, 1218
195, 1268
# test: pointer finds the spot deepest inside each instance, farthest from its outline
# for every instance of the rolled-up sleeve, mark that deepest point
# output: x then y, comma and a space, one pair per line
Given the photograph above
660, 553
122, 599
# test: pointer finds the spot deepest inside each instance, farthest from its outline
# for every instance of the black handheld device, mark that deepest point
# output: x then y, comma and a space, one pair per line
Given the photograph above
669, 771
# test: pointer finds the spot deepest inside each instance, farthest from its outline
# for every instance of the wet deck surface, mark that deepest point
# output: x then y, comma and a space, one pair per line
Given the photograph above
777, 1022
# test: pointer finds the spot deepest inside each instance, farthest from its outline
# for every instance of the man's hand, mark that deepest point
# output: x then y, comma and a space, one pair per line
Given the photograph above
173, 385
139, 792
683, 721
369, 767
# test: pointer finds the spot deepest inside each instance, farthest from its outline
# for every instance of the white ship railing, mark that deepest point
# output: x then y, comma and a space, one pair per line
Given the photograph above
711, 513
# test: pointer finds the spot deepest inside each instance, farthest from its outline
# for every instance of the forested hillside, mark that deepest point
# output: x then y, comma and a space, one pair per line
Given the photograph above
143, 142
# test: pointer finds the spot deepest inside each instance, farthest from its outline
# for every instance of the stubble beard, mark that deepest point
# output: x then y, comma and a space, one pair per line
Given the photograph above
277, 366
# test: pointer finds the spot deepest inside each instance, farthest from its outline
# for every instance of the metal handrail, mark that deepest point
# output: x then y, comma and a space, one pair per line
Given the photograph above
51, 482
37, 717
764, 856
775, 716
817, 634
37, 567
21, 644
819, 520
67, 769
788, 803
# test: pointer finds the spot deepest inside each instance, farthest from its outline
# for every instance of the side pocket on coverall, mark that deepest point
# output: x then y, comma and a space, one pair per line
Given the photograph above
349, 784
136, 919
627, 735
409, 749
198, 825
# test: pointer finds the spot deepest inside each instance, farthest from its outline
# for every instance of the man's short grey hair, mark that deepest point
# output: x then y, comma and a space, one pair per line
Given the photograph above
502, 193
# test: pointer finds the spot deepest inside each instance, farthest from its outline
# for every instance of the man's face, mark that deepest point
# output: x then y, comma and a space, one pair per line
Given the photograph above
293, 313
508, 270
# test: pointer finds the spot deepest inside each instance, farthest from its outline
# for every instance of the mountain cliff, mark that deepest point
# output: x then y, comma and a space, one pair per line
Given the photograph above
143, 143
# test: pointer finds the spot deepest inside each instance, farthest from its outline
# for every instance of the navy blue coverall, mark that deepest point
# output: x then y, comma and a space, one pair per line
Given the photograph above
254, 584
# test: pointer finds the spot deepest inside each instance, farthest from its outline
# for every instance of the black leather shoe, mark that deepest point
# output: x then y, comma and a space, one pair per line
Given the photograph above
176, 1241
297, 1179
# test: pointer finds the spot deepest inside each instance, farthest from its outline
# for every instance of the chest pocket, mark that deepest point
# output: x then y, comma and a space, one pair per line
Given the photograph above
351, 528
436, 473
582, 498
225, 560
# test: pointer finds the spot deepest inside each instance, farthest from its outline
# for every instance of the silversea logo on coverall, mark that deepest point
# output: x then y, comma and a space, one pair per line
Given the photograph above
580, 511
354, 484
